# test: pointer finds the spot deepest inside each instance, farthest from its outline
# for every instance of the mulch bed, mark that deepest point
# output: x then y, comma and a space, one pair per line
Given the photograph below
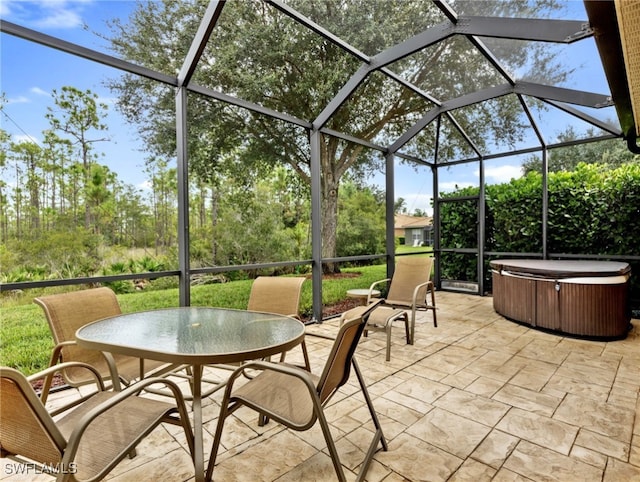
57, 382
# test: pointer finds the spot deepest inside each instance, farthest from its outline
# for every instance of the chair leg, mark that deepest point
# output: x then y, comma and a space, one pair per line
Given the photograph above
433, 303
331, 446
388, 330
379, 435
225, 411
407, 330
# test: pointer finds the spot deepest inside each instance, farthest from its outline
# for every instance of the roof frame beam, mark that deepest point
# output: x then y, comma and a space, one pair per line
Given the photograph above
530, 29
605, 126
83, 52
199, 43
543, 92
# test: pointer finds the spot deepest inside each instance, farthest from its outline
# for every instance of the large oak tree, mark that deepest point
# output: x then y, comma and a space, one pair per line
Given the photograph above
258, 54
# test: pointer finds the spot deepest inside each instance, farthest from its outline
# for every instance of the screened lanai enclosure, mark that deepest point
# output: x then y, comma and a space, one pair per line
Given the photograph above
457, 98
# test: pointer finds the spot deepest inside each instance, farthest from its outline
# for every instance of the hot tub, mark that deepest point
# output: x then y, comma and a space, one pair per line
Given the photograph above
587, 299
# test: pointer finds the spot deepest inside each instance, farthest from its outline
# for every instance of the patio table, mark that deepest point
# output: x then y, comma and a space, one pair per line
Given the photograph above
362, 294
194, 336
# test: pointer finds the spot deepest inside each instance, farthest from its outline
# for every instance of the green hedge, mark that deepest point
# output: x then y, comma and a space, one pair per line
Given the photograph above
593, 210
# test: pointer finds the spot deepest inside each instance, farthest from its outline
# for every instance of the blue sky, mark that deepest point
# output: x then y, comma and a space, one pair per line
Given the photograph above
30, 72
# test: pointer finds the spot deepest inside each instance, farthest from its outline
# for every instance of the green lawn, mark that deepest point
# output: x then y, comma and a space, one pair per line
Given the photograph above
26, 342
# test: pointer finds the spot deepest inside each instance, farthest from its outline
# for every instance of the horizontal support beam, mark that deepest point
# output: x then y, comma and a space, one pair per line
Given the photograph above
532, 29
77, 50
207, 92
341, 97
543, 92
207, 23
605, 126
414, 44
569, 96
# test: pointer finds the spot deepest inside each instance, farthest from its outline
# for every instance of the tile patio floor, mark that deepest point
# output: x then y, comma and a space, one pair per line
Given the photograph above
479, 398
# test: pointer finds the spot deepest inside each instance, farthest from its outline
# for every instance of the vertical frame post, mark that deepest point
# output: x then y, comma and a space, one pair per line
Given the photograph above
390, 214
545, 200
316, 224
183, 197
482, 229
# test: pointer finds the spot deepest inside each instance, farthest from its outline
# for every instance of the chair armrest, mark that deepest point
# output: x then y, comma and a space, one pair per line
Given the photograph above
417, 289
55, 361
56, 354
284, 368
375, 283
47, 375
119, 397
52, 370
318, 335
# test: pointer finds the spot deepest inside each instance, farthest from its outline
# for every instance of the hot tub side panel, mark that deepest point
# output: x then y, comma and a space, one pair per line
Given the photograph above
548, 314
514, 297
594, 310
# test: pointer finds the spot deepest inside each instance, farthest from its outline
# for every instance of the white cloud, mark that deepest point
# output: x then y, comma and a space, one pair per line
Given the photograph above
453, 185
110, 101
60, 18
421, 201
44, 14
5, 9
39, 91
502, 174
26, 138
19, 100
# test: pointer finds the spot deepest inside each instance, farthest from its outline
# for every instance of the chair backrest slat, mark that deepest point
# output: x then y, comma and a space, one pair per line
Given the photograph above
67, 312
408, 274
276, 294
338, 366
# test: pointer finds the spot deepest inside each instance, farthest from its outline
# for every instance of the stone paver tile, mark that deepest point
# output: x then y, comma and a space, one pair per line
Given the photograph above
264, 461
318, 468
603, 445
495, 448
603, 418
176, 465
422, 389
451, 359
409, 402
617, 471
431, 373
546, 350
461, 380
588, 456
497, 365
418, 460
582, 348
583, 388
634, 456
540, 430
588, 359
385, 407
623, 398
526, 399
457, 435
505, 475
592, 374
484, 386
473, 471
474, 407
539, 463
534, 375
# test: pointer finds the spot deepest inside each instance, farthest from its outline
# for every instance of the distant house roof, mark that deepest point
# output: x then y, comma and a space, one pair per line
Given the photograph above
404, 221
